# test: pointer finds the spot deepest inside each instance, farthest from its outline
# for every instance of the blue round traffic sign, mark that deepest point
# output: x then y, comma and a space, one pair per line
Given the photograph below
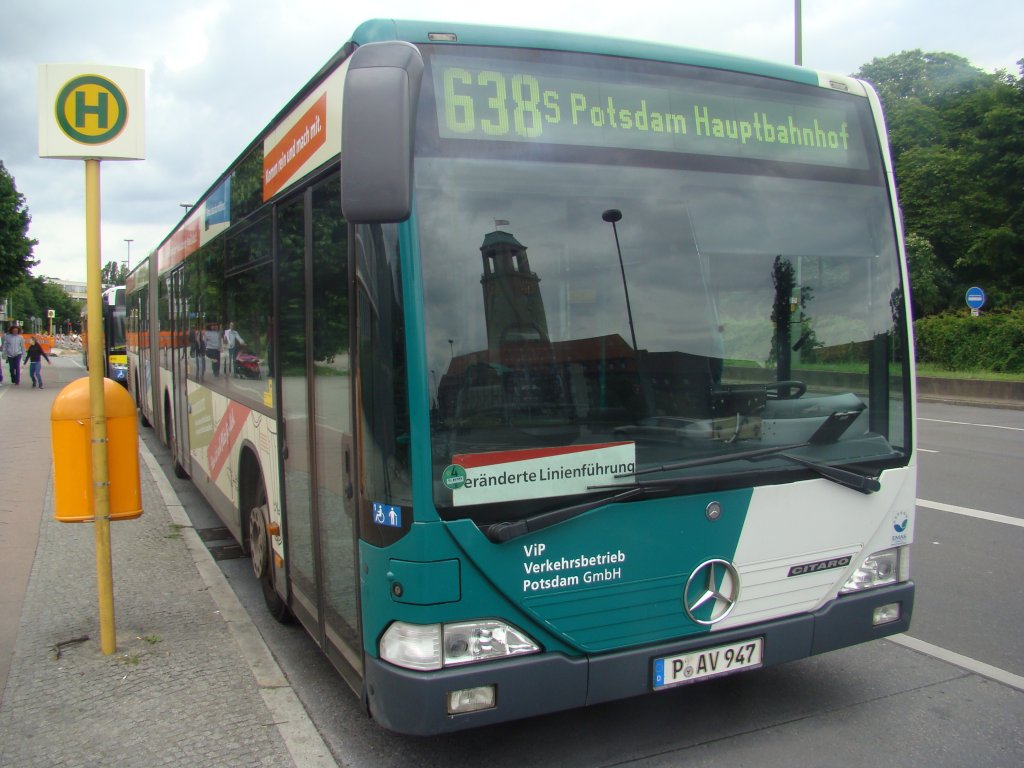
975, 298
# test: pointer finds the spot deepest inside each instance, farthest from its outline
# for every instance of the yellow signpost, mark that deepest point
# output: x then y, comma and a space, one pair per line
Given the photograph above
94, 113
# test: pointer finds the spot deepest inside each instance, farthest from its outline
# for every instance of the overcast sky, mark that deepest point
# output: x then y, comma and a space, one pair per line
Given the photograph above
218, 70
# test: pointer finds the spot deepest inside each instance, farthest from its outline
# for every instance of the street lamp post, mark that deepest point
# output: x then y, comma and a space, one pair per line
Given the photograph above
798, 33
128, 257
612, 216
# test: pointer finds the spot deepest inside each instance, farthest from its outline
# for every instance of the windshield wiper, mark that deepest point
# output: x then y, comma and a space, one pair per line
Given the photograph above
511, 529
829, 432
854, 480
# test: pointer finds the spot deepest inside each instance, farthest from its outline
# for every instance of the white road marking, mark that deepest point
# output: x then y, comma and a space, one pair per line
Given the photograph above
971, 424
959, 660
968, 512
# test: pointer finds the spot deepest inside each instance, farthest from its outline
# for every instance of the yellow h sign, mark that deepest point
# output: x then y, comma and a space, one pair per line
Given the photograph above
88, 111
91, 110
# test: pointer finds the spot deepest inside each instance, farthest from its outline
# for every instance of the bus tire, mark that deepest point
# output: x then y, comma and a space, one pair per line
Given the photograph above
262, 556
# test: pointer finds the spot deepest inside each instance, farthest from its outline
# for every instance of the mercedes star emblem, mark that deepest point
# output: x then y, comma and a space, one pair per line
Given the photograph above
711, 592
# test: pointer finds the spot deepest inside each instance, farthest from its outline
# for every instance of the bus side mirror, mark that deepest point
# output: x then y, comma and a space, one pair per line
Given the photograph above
378, 123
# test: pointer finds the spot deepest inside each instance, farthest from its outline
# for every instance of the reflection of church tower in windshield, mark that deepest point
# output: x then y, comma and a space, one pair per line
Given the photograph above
513, 306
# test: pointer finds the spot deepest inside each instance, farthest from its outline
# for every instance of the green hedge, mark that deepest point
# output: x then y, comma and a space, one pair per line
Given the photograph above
992, 342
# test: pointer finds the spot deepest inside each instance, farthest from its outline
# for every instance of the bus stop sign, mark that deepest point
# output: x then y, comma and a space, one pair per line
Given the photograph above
975, 298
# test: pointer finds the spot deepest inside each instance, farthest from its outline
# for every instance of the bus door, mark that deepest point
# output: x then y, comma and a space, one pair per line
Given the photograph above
178, 352
316, 430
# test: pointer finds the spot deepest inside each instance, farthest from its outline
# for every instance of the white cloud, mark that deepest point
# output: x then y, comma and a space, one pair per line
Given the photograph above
219, 70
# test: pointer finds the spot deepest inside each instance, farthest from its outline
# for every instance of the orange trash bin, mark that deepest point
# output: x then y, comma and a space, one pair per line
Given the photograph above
71, 434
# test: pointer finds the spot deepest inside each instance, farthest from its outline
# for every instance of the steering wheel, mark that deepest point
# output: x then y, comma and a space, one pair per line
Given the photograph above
786, 386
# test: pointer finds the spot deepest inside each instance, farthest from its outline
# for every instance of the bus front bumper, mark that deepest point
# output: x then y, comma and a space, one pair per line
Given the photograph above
417, 703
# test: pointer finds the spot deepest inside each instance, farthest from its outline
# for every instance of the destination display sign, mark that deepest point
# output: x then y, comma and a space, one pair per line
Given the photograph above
485, 100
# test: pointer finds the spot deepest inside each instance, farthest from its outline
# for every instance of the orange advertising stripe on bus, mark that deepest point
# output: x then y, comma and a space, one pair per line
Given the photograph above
224, 437
289, 154
181, 244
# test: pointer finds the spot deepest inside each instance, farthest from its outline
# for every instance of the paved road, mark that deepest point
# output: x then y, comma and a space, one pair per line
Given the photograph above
970, 533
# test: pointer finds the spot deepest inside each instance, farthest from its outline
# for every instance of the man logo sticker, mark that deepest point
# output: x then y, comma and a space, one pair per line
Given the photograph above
91, 110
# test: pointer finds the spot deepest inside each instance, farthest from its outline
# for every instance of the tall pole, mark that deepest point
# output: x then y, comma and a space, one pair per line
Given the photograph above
97, 409
128, 257
798, 34
614, 215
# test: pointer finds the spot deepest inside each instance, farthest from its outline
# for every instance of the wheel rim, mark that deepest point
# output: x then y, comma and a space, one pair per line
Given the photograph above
258, 543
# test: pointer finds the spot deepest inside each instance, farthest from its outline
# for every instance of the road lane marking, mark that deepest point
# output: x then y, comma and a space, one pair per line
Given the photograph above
959, 660
972, 424
968, 512
926, 450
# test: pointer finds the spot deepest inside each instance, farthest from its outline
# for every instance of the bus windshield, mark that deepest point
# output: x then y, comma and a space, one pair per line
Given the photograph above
667, 288
114, 325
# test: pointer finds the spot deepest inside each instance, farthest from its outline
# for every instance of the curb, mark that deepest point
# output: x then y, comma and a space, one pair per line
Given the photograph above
300, 736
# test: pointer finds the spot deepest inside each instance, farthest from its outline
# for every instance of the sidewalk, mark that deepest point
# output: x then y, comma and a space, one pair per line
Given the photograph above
191, 682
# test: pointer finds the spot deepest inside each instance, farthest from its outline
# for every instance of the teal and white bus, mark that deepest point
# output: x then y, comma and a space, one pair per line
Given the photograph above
537, 370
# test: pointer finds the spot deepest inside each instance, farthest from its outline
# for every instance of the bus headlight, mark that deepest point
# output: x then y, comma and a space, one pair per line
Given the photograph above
878, 570
427, 647
471, 641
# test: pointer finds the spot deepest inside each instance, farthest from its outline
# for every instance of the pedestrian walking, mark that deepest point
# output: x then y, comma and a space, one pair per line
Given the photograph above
198, 352
34, 355
213, 341
233, 341
14, 348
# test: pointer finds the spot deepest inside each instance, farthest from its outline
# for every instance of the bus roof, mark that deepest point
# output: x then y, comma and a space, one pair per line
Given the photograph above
432, 32
377, 30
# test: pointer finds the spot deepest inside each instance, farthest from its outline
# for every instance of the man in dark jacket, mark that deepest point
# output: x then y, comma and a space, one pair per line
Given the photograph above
34, 355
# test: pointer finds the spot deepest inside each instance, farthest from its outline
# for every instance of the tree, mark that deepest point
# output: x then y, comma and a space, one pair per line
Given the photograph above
957, 137
929, 280
913, 123
114, 273
35, 297
918, 75
15, 244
